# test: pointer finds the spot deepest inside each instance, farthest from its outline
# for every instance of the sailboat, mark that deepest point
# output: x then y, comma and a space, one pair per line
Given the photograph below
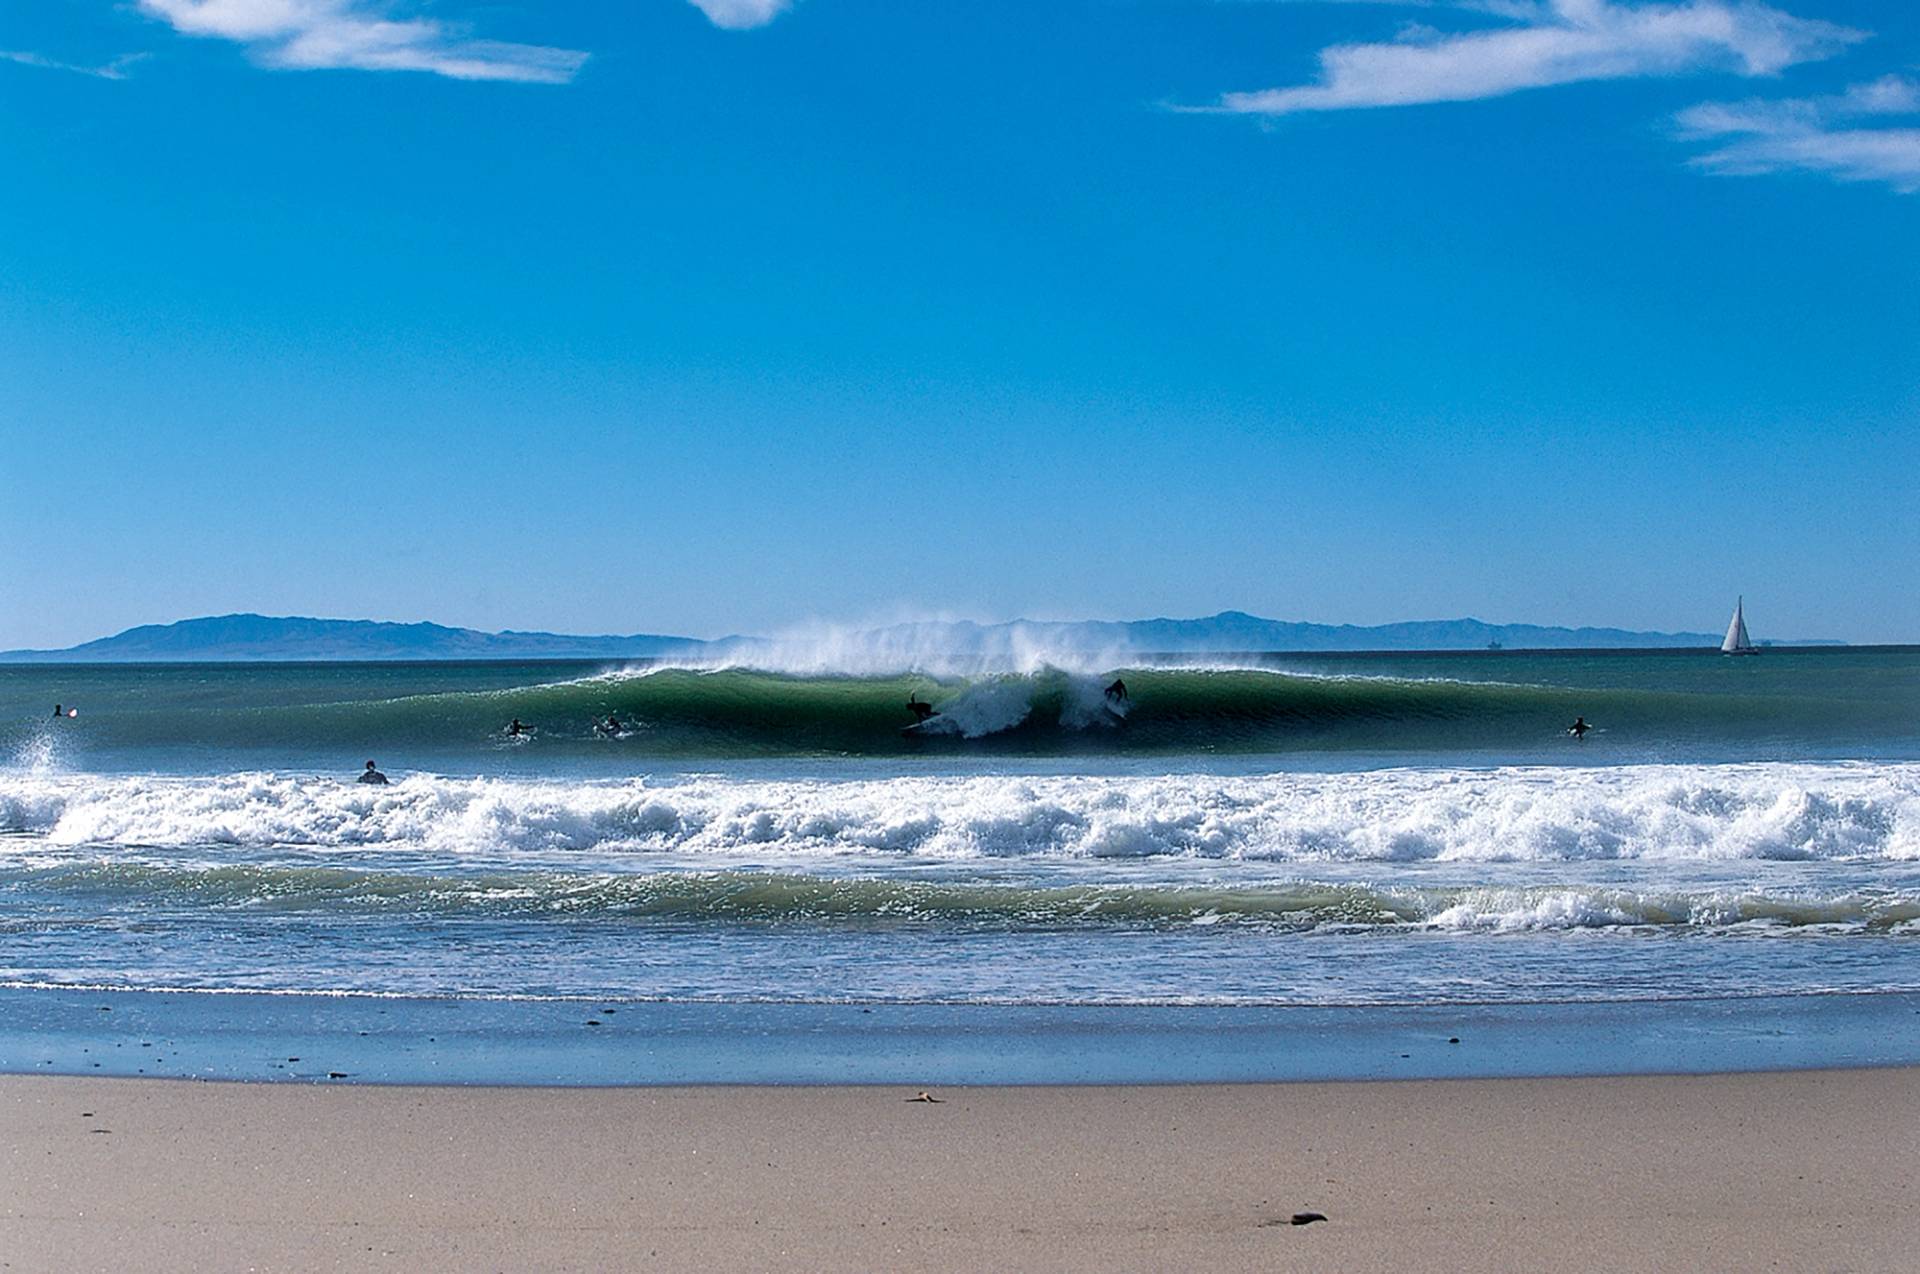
1737, 642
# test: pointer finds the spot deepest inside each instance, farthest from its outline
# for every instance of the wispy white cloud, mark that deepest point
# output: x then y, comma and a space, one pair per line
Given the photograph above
1839, 135
376, 35
1548, 42
358, 34
114, 70
740, 15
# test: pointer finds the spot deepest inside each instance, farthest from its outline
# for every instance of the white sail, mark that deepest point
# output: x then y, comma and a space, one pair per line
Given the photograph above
1737, 641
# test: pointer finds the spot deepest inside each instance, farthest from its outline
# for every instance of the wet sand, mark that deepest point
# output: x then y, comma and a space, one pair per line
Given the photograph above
1797, 1170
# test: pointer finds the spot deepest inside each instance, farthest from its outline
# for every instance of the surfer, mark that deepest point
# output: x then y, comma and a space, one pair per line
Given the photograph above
1579, 728
611, 726
920, 709
1118, 690
515, 729
372, 774
58, 712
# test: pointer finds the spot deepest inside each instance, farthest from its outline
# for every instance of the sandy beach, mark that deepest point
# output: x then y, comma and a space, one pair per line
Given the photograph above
1766, 1171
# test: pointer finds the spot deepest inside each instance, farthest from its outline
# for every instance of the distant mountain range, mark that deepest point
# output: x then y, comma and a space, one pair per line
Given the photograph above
265, 638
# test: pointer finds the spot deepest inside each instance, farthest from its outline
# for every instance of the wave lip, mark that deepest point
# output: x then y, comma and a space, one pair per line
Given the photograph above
1517, 814
939, 648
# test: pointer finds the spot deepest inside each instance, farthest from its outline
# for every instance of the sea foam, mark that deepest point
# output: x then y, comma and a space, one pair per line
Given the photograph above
1516, 814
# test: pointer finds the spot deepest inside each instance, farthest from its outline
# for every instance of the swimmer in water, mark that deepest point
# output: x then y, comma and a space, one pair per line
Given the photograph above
372, 774
1579, 728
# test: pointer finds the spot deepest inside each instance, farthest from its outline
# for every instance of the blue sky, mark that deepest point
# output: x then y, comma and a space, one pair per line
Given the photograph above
652, 315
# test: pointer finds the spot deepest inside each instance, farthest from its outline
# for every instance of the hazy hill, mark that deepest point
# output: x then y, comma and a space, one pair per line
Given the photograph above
1238, 631
262, 637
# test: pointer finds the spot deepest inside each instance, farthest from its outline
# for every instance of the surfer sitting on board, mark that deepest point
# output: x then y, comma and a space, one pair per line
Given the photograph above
1118, 690
1579, 728
372, 774
920, 710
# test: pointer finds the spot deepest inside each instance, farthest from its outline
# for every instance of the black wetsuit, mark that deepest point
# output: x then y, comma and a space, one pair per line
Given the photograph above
372, 776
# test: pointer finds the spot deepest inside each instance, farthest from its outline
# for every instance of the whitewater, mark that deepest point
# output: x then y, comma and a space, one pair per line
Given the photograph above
1843, 812
1406, 830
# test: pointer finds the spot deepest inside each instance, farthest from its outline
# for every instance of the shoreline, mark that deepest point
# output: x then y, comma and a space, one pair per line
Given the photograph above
609, 1044
1805, 1169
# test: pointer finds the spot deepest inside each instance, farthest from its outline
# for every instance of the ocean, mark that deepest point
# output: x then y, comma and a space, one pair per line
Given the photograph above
1356, 835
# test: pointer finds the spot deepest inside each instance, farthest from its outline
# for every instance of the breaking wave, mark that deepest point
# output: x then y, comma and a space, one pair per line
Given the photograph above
782, 898
740, 713
1513, 814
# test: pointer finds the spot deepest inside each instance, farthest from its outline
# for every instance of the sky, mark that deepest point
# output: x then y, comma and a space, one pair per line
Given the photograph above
729, 315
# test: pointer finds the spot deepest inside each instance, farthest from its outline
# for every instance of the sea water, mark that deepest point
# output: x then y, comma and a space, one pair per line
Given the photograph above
1351, 834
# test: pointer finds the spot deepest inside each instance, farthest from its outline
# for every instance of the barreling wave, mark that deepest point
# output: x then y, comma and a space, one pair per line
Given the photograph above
1513, 814
737, 713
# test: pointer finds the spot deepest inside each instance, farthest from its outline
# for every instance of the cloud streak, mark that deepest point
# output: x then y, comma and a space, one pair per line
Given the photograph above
741, 15
370, 35
353, 34
114, 70
1835, 136
1552, 42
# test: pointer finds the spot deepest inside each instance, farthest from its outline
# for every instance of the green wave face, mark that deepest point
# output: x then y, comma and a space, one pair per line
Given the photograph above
735, 713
